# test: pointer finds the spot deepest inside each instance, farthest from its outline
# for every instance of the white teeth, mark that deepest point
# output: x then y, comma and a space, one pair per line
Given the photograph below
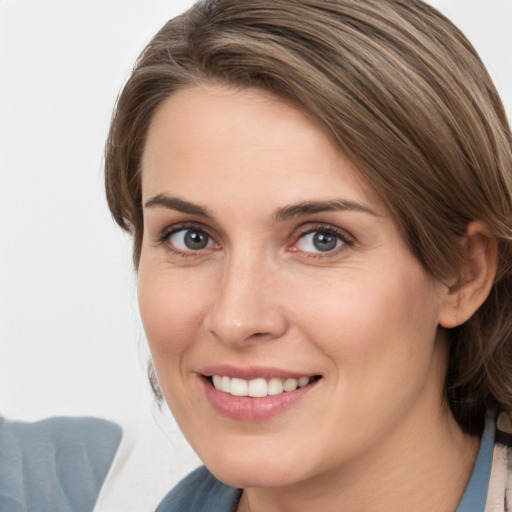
290, 384
303, 381
239, 387
257, 387
225, 384
275, 386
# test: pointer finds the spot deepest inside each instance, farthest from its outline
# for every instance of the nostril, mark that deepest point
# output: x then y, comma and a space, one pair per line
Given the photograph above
238, 324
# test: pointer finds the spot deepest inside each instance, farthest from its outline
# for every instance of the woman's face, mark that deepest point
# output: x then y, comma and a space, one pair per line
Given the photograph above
270, 268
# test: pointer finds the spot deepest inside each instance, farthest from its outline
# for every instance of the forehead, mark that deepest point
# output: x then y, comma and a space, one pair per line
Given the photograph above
227, 138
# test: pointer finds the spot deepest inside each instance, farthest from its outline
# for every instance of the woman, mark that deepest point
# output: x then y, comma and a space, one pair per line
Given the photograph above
320, 195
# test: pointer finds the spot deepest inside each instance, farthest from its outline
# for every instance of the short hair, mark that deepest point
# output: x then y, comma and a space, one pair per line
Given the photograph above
408, 101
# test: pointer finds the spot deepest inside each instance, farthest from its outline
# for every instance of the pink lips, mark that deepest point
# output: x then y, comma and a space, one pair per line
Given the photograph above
250, 372
250, 408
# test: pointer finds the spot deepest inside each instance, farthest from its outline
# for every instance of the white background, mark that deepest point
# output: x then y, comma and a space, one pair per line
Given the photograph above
70, 338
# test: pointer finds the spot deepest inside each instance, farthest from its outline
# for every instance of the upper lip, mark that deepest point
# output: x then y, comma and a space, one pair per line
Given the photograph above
253, 372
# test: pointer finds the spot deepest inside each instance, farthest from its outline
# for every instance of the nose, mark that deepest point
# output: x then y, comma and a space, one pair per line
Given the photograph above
246, 306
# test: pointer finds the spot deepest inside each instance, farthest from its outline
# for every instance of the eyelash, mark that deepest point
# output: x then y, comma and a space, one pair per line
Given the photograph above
166, 234
346, 238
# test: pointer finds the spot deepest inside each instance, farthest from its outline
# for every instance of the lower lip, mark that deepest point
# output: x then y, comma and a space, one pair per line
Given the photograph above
250, 408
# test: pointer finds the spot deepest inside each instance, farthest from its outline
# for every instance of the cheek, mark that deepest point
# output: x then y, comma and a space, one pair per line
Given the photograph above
382, 347
380, 318
171, 311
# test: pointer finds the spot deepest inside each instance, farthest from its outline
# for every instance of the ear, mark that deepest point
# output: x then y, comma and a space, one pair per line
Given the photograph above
475, 277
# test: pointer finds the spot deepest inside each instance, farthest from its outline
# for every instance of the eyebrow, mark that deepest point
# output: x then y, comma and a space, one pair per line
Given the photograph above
180, 205
282, 214
309, 207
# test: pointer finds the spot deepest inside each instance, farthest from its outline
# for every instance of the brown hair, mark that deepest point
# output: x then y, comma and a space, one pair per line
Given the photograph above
409, 102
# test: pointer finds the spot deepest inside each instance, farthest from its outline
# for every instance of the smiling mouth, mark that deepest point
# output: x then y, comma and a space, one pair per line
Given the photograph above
260, 387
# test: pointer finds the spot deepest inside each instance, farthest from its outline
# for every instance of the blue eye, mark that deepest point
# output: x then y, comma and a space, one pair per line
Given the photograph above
188, 239
319, 241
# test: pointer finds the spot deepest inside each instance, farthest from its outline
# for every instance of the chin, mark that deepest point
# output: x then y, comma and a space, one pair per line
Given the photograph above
256, 468
251, 476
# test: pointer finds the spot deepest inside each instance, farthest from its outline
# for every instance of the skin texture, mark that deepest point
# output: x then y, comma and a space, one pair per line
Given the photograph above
364, 316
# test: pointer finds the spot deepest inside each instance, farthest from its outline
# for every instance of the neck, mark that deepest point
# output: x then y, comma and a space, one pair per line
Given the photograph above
423, 467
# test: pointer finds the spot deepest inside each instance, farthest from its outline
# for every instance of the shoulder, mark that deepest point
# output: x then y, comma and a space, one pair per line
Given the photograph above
504, 430
499, 497
200, 491
57, 464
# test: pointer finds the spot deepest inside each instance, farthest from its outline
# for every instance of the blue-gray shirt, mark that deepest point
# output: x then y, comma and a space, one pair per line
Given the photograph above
55, 465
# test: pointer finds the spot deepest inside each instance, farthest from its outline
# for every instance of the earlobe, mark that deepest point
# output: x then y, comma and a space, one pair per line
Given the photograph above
475, 277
